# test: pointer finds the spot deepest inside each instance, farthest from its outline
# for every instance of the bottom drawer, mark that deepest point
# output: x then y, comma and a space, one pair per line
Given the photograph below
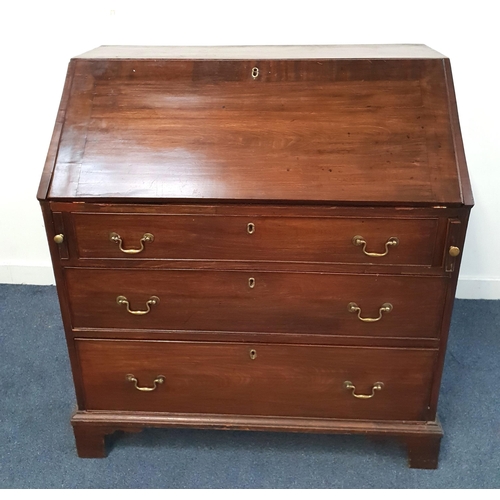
256, 379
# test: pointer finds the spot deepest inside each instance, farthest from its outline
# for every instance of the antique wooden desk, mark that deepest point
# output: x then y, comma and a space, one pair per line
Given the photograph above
261, 238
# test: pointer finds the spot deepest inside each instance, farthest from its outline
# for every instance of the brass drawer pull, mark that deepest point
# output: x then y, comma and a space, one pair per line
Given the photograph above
384, 308
158, 380
250, 228
151, 302
116, 238
376, 387
358, 241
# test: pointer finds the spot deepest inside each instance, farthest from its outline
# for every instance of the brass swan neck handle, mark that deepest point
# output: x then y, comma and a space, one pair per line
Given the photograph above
153, 300
384, 308
359, 241
158, 380
378, 386
116, 238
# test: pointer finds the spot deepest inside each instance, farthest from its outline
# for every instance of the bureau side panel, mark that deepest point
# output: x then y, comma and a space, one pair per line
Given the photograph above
465, 186
54, 225
50, 162
456, 238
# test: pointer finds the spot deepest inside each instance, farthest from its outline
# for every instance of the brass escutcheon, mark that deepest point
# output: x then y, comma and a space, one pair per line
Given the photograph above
255, 72
251, 282
250, 228
351, 387
253, 353
116, 238
158, 380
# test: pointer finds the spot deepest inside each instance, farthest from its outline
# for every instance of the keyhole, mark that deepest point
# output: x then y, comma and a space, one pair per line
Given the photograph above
253, 353
250, 228
255, 72
251, 282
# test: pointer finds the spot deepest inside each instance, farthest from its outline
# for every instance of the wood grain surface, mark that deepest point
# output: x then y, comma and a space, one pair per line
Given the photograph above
306, 381
278, 302
308, 147
289, 239
345, 131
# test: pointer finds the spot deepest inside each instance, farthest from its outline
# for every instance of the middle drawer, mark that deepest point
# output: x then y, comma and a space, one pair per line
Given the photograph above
241, 301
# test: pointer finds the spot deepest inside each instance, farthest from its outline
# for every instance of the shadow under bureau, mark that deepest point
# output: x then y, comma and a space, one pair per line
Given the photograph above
260, 238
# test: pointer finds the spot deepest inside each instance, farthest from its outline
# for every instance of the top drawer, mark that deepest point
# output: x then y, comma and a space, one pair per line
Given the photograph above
261, 238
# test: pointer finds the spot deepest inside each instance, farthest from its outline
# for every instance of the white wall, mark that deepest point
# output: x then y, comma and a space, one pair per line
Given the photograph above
39, 38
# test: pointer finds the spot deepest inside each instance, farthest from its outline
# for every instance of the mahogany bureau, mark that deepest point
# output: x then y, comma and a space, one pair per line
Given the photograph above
260, 238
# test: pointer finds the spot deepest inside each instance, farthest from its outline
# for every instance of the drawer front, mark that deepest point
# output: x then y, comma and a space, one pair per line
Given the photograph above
225, 378
243, 301
233, 238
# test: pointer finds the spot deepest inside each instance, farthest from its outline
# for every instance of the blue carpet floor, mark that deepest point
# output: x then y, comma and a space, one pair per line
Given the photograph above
37, 448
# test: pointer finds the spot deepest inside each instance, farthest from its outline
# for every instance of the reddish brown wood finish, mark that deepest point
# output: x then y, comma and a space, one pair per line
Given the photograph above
325, 143
278, 302
202, 129
48, 169
55, 255
423, 452
413, 246
463, 178
90, 440
242, 379
410, 433
292, 239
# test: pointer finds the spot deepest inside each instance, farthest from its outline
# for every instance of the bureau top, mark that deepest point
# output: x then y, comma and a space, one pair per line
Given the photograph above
283, 52
318, 124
